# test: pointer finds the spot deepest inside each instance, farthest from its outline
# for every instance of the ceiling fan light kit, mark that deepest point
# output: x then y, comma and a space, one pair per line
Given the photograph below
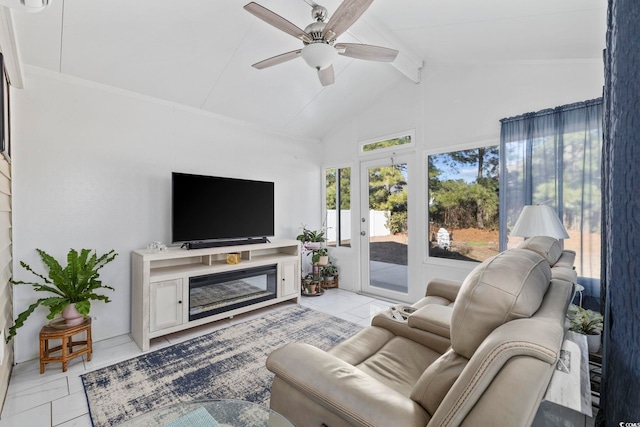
318, 37
319, 55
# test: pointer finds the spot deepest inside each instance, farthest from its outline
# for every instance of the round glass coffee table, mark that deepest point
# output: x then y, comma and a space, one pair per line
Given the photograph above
211, 413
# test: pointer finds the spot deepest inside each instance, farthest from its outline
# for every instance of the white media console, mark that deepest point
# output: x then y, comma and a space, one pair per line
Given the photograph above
163, 284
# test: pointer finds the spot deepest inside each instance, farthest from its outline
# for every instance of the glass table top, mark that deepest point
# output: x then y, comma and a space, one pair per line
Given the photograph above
211, 413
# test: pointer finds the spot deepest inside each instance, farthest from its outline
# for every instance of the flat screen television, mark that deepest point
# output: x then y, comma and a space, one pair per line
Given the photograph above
211, 208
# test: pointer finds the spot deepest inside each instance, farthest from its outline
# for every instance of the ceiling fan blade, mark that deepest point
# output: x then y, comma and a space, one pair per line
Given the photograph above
277, 21
278, 59
366, 51
327, 76
345, 15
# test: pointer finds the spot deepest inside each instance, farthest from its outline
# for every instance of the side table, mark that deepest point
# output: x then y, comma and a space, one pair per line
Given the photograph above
579, 289
58, 330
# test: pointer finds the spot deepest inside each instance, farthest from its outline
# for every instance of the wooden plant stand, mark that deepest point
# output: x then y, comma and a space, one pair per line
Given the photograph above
57, 330
328, 285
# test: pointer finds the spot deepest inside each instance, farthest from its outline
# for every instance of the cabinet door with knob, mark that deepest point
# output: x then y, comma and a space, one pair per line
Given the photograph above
290, 278
166, 304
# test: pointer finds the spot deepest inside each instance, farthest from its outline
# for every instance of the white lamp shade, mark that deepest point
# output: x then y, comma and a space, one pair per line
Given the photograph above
319, 55
539, 220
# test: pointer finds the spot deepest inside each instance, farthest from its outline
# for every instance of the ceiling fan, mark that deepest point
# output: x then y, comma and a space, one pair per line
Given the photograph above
320, 49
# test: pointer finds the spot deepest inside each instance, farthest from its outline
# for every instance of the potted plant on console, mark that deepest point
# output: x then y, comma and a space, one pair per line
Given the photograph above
586, 322
72, 287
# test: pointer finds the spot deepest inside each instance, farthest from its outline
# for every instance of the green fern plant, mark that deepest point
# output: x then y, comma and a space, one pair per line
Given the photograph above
74, 284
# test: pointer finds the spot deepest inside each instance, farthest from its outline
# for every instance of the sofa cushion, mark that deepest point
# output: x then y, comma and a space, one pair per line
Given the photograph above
545, 246
435, 382
360, 346
399, 364
508, 286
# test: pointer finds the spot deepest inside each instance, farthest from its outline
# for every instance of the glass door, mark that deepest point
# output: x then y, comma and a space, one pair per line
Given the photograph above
384, 227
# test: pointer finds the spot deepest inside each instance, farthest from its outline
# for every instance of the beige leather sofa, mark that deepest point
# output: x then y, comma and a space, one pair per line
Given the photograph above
480, 353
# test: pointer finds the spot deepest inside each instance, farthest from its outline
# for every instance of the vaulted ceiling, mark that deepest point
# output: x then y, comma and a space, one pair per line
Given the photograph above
199, 52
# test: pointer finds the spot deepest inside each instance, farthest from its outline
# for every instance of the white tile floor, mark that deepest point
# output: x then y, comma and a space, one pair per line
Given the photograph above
57, 398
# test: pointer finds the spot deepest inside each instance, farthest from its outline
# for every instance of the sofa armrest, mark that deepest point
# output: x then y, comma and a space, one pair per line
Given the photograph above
437, 341
444, 288
342, 388
433, 318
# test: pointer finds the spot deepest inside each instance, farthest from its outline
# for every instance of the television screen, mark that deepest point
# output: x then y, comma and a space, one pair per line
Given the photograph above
216, 208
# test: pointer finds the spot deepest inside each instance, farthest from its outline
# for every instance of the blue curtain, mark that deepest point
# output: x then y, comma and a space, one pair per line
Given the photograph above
553, 157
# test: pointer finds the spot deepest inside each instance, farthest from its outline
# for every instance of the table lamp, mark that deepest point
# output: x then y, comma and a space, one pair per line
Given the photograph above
539, 220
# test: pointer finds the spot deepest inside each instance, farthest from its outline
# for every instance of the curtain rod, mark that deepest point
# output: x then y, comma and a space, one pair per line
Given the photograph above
562, 108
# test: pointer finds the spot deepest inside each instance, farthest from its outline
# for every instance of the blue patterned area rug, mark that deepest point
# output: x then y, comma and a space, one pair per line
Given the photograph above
228, 363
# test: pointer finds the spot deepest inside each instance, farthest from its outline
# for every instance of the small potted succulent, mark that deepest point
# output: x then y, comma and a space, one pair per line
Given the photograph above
586, 322
72, 288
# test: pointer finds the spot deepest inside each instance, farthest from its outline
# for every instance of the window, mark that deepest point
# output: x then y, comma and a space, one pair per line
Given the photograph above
463, 204
404, 140
338, 205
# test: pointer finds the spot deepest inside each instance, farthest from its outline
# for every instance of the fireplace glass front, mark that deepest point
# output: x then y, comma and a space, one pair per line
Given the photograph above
220, 292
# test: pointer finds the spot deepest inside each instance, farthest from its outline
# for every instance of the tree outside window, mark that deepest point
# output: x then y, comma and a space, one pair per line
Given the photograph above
463, 204
388, 193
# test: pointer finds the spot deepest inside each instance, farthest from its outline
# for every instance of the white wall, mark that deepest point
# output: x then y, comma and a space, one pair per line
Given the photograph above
457, 105
92, 169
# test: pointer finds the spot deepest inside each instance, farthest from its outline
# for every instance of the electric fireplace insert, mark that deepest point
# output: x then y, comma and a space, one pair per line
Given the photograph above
220, 292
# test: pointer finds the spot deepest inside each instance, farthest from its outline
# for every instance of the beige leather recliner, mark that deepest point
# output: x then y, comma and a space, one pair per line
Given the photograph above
477, 354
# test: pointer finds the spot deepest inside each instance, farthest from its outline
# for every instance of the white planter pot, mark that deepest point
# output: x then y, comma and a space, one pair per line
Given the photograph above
593, 342
72, 316
324, 260
313, 245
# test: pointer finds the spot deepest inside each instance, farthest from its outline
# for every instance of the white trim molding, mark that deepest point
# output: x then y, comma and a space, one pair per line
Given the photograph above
9, 49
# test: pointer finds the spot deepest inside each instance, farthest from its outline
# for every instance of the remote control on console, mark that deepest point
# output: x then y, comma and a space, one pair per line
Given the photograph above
396, 314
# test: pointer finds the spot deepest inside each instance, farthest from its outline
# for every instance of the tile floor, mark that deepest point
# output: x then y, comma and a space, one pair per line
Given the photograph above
57, 398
